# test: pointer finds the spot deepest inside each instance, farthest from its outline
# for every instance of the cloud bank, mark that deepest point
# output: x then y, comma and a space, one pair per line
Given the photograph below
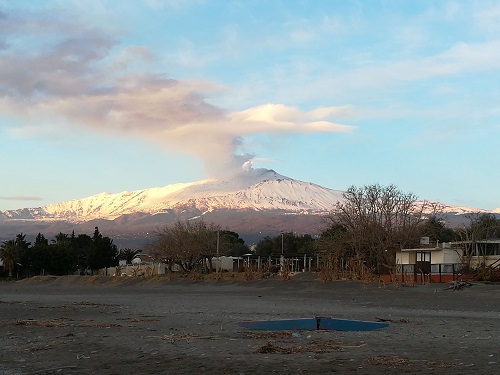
85, 78
21, 198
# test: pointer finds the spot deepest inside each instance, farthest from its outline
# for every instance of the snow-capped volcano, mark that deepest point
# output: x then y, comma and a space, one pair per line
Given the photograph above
255, 203
254, 189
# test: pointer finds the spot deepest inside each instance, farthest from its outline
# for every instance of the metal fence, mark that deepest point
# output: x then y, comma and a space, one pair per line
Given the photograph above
297, 263
439, 272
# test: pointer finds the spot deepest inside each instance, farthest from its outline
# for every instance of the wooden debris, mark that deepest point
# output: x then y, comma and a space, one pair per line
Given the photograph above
458, 285
392, 320
325, 346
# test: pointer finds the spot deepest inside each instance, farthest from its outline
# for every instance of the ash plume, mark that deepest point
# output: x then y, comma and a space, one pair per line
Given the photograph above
85, 78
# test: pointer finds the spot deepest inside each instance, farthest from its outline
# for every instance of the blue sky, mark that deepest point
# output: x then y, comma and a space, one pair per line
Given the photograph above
124, 95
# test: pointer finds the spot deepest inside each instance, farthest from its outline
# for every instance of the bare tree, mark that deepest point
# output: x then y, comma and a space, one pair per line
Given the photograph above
481, 227
189, 245
377, 222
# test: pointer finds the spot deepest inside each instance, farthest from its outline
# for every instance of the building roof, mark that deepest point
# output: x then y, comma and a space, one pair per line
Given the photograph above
423, 249
493, 240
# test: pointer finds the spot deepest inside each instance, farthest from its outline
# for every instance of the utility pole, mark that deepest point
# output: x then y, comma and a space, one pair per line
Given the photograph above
282, 258
218, 241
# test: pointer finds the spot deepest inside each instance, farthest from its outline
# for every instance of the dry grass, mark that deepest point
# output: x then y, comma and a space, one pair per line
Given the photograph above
409, 281
194, 275
39, 323
103, 325
139, 320
285, 272
249, 273
269, 335
329, 270
185, 336
273, 348
265, 272
353, 269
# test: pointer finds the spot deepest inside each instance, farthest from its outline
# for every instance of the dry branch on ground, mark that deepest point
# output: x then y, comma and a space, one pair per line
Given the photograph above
324, 346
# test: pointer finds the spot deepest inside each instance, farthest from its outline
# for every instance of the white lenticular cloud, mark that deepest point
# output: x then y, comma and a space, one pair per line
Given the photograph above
276, 118
80, 82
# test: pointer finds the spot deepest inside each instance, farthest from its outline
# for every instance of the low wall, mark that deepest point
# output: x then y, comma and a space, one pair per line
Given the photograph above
134, 270
443, 278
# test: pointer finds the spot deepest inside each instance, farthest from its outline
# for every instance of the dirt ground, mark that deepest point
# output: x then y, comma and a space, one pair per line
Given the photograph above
85, 325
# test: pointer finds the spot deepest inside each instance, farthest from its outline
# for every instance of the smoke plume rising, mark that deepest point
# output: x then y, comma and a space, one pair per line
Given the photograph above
81, 80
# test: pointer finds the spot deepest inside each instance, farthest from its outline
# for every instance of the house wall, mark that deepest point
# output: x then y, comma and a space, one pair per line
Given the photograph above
451, 256
404, 258
437, 257
444, 255
224, 263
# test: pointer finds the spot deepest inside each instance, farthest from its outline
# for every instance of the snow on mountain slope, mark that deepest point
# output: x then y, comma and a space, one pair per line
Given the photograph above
253, 189
461, 210
256, 189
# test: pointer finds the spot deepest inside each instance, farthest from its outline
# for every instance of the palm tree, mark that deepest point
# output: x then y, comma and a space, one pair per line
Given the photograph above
61, 239
9, 253
128, 255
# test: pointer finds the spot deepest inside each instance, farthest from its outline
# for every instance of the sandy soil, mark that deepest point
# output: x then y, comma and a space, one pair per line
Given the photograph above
89, 325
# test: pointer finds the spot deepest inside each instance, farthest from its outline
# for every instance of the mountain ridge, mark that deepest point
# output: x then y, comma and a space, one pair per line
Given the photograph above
255, 203
257, 189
